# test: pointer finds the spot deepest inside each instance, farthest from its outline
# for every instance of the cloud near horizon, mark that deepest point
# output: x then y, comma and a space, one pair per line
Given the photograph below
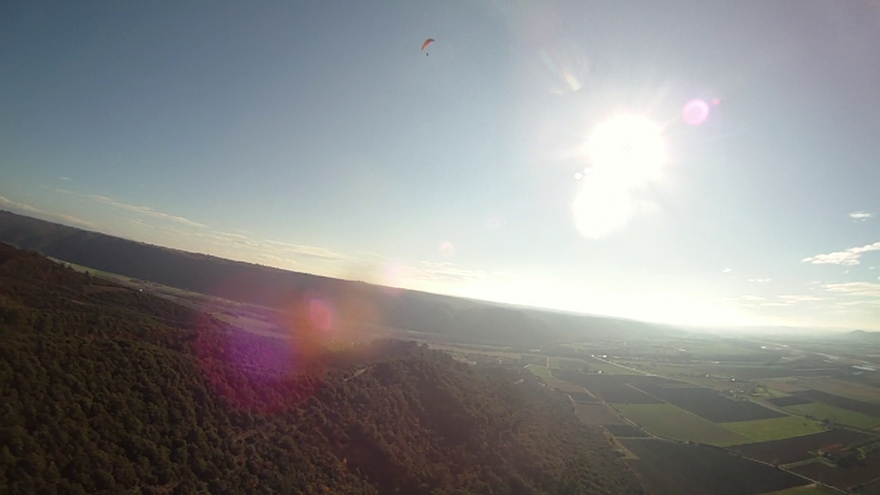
849, 257
23, 208
863, 289
861, 215
143, 210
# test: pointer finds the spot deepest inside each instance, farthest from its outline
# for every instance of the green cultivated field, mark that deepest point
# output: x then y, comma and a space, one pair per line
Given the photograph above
763, 430
842, 388
542, 371
547, 375
597, 414
836, 414
607, 367
668, 421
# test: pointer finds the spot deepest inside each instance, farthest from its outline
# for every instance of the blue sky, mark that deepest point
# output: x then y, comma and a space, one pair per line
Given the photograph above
316, 136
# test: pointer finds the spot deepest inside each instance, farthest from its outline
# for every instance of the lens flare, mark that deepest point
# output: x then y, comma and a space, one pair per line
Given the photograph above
447, 249
320, 314
695, 112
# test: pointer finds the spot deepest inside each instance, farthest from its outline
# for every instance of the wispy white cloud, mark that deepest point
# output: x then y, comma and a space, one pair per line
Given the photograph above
752, 298
447, 272
863, 289
143, 210
19, 206
64, 179
305, 251
797, 298
726, 270
858, 303
848, 257
761, 280
64, 218
229, 235
861, 216
781, 301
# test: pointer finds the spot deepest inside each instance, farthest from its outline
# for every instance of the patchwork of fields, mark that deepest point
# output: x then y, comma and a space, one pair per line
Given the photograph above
750, 428
668, 421
845, 478
763, 430
676, 468
711, 405
795, 449
681, 415
835, 414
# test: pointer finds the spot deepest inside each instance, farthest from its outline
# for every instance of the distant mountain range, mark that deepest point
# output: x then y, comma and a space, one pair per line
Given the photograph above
462, 319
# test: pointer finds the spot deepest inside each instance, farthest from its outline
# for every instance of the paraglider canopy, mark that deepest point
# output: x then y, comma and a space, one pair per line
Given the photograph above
426, 43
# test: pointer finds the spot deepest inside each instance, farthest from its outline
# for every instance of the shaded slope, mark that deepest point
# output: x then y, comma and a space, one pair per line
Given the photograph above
107, 389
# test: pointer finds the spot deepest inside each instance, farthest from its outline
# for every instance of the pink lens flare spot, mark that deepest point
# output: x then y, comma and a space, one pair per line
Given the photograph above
695, 112
447, 249
716, 101
320, 315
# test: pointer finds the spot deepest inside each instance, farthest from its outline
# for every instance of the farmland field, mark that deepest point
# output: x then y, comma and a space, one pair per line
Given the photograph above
711, 405
611, 388
790, 400
597, 414
571, 364
527, 359
747, 372
842, 402
607, 367
845, 478
541, 371
836, 414
675, 468
625, 431
842, 388
788, 386
797, 448
668, 421
547, 375
763, 430
583, 397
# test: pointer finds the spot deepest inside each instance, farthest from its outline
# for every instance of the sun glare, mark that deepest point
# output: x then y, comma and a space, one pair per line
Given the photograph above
624, 153
628, 149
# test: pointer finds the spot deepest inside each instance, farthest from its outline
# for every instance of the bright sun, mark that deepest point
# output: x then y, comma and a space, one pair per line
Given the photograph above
628, 148
626, 152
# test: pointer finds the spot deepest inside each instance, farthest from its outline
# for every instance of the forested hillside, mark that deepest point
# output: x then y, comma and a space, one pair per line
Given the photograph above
110, 390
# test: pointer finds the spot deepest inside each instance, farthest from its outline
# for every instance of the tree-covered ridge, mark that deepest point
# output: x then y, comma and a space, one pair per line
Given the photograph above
109, 390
